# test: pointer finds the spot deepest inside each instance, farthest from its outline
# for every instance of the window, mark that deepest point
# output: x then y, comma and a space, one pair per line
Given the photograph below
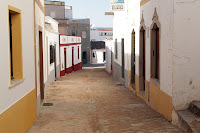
16, 66
155, 47
116, 52
133, 59
84, 34
155, 52
142, 60
93, 54
52, 53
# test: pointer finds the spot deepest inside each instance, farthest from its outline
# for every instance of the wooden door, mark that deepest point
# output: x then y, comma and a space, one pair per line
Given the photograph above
41, 65
65, 60
72, 58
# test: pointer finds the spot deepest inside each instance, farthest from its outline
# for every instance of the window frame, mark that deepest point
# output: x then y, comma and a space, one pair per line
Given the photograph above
155, 30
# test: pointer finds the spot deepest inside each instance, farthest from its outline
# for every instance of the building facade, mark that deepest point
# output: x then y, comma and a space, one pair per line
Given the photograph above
69, 26
100, 33
98, 52
52, 49
81, 28
152, 55
70, 54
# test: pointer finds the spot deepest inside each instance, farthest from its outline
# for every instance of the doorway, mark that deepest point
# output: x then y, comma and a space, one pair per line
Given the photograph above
72, 58
122, 57
65, 60
41, 65
84, 57
54, 51
133, 59
142, 61
104, 56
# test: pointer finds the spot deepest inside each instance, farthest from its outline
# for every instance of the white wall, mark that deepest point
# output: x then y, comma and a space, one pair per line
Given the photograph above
51, 38
186, 64
9, 96
109, 50
99, 56
94, 35
69, 56
165, 14
119, 22
39, 21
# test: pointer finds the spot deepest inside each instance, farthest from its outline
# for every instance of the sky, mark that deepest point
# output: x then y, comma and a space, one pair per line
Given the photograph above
93, 9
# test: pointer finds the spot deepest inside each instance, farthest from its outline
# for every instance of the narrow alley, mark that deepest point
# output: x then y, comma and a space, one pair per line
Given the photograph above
90, 101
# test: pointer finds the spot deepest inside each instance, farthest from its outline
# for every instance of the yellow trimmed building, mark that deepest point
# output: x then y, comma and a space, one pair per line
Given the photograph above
22, 25
18, 91
156, 52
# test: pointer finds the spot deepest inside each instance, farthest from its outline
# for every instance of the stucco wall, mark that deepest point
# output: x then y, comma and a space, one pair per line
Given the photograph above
69, 56
99, 56
109, 50
51, 38
9, 96
17, 103
39, 22
186, 81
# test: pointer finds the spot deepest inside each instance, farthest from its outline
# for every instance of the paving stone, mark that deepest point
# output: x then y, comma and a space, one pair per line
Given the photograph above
91, 101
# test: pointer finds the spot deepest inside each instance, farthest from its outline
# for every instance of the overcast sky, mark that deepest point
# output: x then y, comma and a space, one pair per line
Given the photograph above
93, 9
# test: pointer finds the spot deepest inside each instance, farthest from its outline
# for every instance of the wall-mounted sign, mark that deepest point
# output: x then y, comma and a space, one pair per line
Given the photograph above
117, 5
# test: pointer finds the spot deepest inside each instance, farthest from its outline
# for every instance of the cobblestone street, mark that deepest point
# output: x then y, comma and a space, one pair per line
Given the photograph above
91, 101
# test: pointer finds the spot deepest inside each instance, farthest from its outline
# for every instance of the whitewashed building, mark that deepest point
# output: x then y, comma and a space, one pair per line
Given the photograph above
100, 33
70, 54
52, 49
156, 52
98, 52
109, 55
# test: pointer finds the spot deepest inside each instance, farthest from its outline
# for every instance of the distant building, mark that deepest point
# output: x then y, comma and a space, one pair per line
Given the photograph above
55, 9
70, 54
68, 13
98, 52
100, 33
69, 26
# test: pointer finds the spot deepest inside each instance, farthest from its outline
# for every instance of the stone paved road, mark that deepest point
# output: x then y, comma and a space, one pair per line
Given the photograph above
90, 101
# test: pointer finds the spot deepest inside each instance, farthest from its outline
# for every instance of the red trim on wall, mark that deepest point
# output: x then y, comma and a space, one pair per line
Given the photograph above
70, 44
62, 73
78, 66
69, 70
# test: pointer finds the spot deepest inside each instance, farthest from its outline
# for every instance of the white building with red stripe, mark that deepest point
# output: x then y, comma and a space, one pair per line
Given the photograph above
70, 54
